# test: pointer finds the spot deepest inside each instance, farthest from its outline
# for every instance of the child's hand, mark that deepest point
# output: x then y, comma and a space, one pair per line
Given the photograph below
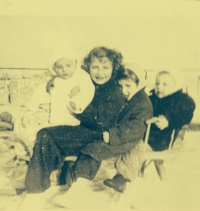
106, 137
162, 122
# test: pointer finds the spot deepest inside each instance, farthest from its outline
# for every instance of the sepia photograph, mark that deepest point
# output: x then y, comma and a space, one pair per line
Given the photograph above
100, 105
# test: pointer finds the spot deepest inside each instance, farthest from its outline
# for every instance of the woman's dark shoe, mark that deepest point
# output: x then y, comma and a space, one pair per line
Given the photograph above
118, 183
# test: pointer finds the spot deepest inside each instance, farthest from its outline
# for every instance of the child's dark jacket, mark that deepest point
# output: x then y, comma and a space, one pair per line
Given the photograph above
178, 108
128, 131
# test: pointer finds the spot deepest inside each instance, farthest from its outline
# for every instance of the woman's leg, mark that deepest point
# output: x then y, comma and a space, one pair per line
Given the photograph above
46, 157
51, 147
86, 167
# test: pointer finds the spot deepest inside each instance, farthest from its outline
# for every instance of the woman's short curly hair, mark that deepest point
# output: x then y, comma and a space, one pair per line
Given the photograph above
100, 53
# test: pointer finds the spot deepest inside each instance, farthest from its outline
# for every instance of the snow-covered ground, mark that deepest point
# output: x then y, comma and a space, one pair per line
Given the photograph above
180, 192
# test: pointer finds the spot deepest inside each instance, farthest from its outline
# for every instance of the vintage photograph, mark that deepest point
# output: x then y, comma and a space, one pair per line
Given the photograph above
100, 105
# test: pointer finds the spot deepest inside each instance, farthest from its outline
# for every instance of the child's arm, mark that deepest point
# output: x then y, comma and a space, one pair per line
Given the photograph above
81, 95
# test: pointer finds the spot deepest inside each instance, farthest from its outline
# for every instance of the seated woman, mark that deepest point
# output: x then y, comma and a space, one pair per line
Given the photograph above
53, 144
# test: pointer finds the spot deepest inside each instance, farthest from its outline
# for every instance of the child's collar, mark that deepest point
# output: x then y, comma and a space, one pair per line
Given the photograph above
140, 87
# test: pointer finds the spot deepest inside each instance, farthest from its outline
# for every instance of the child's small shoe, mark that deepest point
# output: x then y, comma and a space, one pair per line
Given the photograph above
118, 183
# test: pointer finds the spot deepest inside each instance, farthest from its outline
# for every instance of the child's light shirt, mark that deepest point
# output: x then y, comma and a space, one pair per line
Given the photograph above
70, 96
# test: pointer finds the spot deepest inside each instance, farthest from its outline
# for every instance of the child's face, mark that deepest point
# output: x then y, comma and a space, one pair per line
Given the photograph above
128, 87
64, 68
165, 85
101, 70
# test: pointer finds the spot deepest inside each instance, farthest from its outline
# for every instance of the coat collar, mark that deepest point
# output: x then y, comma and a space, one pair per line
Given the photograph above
174, 95
140, 87
131, 103
107, 84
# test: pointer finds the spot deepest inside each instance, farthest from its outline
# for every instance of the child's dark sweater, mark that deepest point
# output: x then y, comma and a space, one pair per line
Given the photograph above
178, 108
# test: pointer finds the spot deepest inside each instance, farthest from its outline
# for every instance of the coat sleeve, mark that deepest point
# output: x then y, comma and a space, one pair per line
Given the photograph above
134, 129
85, 95
102, 115
182, 113
109, 110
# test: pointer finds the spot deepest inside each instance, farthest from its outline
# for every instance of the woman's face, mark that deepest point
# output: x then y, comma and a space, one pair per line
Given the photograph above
101, 70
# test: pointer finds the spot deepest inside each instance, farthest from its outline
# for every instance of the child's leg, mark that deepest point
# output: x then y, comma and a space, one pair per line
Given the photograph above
129, 164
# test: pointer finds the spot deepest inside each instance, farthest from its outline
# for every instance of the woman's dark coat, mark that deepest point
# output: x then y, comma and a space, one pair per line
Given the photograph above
104, 108
129, 129
178, 108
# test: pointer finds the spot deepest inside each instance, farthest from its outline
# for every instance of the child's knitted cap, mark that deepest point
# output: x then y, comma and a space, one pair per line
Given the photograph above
63, 49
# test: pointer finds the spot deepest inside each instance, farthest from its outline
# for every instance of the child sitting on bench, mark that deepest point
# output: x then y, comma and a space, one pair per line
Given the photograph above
172, 109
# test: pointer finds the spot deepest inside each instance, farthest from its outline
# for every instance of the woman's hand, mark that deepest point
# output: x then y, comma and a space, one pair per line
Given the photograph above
106, 137
161, 122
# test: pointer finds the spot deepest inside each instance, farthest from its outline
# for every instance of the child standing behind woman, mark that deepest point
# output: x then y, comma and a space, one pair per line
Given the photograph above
68, 93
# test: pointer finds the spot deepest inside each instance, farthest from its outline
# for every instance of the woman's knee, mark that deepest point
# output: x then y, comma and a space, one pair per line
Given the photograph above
42, 134
43, 137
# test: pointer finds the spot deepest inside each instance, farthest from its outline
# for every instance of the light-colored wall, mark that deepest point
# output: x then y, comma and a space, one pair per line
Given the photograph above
158, 36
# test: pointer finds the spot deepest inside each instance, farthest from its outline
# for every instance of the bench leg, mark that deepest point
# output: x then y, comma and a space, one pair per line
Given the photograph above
160, 169
144, 165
